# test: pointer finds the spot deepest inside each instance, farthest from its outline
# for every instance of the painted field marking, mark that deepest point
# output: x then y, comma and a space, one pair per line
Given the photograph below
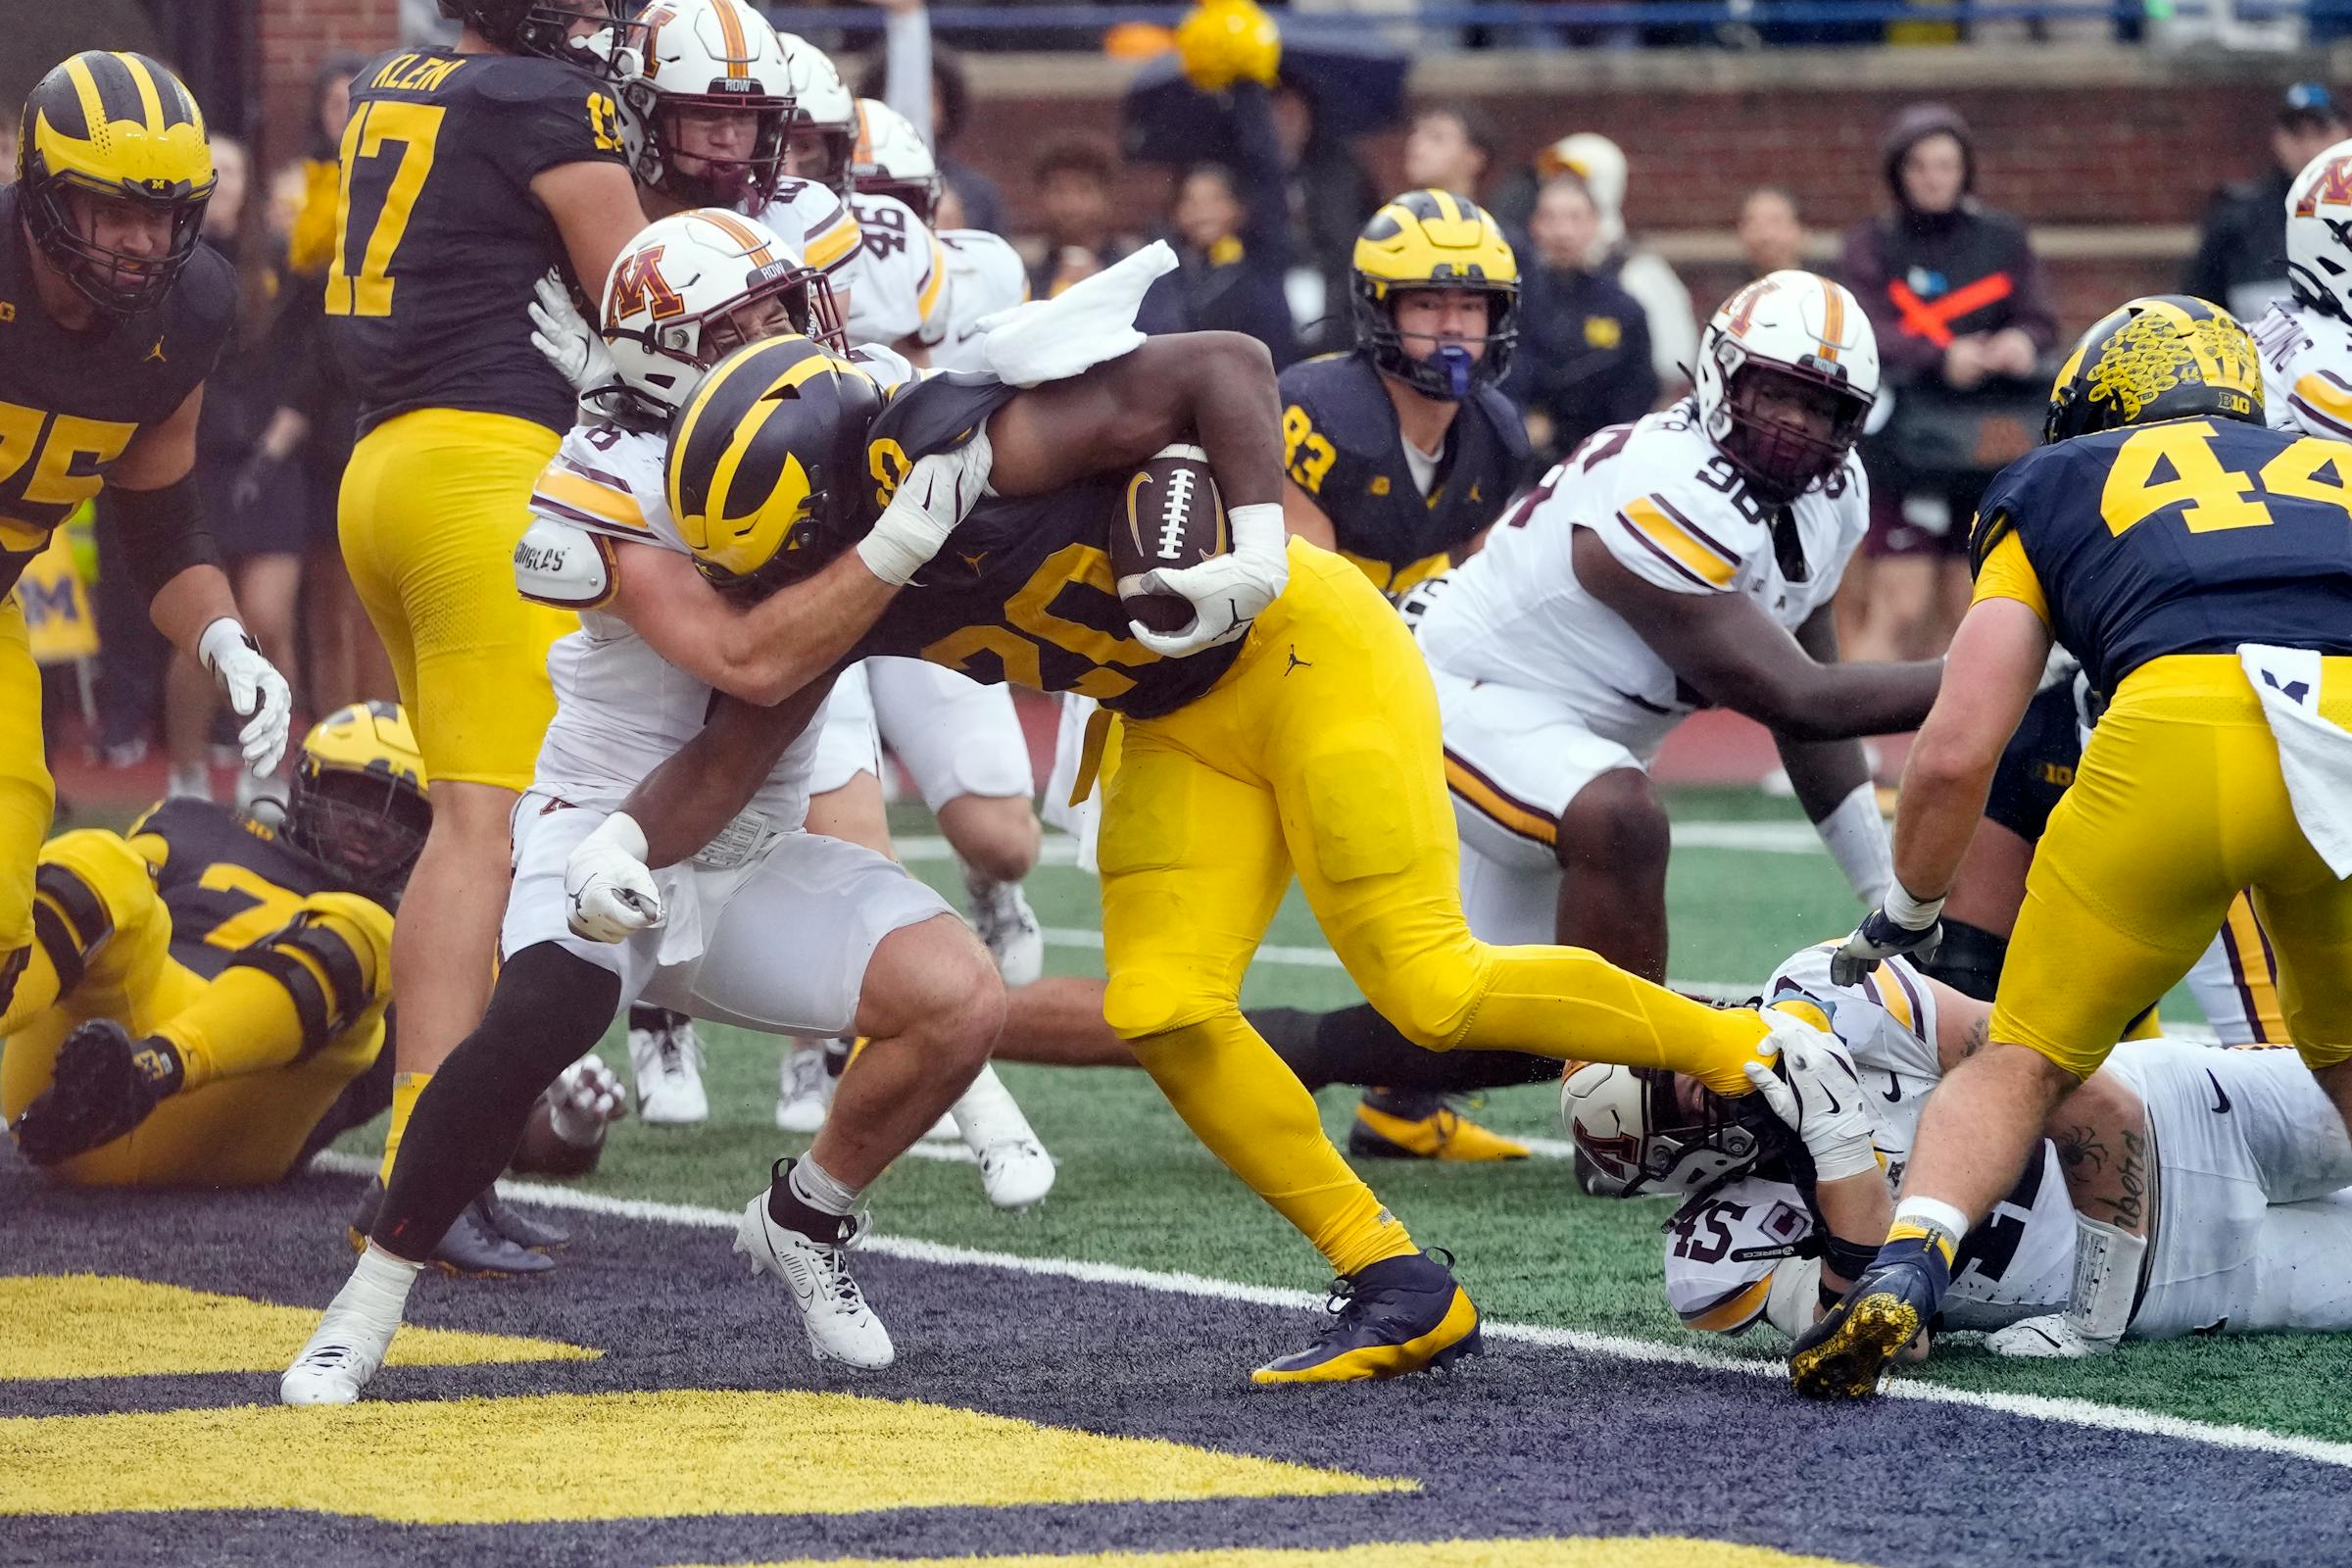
2066, 1411
1752, 838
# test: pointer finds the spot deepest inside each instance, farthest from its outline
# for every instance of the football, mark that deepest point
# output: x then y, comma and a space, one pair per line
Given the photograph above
1171, 515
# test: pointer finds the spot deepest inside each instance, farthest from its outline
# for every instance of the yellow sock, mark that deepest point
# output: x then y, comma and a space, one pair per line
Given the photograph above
406, 1087
242, 1022
1907, 1230
1253, 1115
1577, 1005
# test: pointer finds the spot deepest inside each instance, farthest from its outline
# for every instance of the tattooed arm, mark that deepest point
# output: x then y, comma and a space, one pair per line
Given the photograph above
2101, 1132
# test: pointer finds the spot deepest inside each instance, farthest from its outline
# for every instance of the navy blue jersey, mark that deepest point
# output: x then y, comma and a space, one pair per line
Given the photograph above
227, 880
70, 402
439, 241
1022, 591
2190, 536
1342, 446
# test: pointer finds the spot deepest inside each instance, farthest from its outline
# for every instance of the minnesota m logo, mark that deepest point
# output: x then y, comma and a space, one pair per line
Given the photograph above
2334, 188
638, 284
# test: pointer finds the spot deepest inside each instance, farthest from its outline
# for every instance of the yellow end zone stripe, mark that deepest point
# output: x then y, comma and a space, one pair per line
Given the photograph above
98, 1325
1670, 536
585, 1456
1532, 1552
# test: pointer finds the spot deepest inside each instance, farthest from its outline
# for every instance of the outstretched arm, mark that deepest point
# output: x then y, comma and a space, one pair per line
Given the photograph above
1727, 647
683, 803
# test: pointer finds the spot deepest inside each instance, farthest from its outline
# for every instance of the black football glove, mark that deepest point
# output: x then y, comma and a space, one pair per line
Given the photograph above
1878, 938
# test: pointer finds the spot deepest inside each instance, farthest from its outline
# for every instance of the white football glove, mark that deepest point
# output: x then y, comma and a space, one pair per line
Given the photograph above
1227, 592
585, 1098
608, 895
570, 343
1817, 1093
929, 503
257, 693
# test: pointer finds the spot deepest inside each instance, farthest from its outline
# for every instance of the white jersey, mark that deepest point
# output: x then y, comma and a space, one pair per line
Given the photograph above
1673, 511
622, 709
2306, 371
985, 276
899, 284
816, 224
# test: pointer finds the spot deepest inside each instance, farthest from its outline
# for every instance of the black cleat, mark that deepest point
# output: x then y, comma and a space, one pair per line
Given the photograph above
1399, 1315
101, 1086
520, 1228
471, 1249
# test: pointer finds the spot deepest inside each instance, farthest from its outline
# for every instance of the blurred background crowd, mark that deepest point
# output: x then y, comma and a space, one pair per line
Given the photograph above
1258, 142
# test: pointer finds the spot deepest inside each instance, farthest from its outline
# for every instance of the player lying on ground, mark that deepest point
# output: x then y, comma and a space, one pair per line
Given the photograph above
1287, 726
2200, 567
2210, 1154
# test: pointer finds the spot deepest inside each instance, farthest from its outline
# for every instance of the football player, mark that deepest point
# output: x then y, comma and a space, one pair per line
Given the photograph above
1397, 453
985, 273
774, 928
2231, 1153
467, 174
2200, 567
2306, 338
112, 315
1289, 727
1688, 560
226, 980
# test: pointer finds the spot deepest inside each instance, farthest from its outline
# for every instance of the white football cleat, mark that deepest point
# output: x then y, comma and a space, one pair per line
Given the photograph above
2044, 1339
1015, 1171
999, 912
666, 1060
348, 1347
804, 1089
841, 1326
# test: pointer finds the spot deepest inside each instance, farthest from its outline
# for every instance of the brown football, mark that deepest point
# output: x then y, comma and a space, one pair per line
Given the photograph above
1171, 515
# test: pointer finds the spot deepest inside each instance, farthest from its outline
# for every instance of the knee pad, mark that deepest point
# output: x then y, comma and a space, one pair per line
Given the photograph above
1140, 1003
86, 882
1430, 998
327, 965
1969, 959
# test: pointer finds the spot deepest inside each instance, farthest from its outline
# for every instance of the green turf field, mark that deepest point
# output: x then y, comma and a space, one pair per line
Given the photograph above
1135, 1189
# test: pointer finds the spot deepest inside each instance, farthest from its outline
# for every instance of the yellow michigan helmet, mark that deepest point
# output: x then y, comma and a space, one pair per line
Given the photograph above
2159, 357
121, 127
1434, 239
767, 474
359, 799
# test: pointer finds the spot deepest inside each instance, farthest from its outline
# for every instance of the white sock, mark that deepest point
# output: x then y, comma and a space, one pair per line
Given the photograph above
378, 1291
2107, 1265
819, 1189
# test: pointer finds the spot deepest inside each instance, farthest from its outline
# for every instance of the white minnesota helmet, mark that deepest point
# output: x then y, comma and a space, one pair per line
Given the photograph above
891, 160
823, 108
1634, 1128
1794, 330
704, 58
2319, 232
694, 285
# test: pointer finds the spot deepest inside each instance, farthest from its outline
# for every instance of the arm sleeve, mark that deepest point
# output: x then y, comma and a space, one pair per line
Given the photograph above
163, 532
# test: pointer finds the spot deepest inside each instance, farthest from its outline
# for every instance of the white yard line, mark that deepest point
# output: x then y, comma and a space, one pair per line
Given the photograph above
2071, 1412
1754, 838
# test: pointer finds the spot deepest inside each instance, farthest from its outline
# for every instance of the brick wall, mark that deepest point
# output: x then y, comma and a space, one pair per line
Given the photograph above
292, 37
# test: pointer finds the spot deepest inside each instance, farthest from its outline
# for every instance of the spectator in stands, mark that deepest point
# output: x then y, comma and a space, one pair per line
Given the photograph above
1233, 248
1449, 147
1963, 326
1772, 236
1642, 273
259, 528
1073, 180
929, 86
1331, 195
1584, 343
2240, 262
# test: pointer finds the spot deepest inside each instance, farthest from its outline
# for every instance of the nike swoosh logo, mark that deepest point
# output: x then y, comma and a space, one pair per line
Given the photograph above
1893, 1094
1834, 1107
2221, 1100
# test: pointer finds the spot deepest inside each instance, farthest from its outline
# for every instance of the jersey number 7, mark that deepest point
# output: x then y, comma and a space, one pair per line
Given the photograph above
415, 128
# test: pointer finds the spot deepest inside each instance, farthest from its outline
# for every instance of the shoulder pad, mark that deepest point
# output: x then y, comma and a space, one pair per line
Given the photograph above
557, 563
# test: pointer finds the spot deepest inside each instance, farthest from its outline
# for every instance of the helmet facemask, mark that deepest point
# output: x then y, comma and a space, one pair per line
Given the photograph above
1450, 370
838, 143
1688, 1140
743, 184
1783, 453
615, 52
780, 299
369, 826
121, 283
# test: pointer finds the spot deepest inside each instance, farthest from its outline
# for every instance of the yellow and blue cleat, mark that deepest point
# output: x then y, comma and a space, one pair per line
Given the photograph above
1846, 1355
1390, 1125
1399, 1315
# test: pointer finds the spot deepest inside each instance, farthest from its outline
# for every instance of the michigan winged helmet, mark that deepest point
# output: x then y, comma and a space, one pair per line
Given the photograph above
1434, 239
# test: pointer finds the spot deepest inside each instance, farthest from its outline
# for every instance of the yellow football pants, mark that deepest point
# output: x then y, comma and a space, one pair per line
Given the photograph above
2178, 804
26, 799
1318, 752
255, 1091
432, 505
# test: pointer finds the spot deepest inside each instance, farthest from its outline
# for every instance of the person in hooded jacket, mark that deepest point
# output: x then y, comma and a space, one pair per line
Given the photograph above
1964, 323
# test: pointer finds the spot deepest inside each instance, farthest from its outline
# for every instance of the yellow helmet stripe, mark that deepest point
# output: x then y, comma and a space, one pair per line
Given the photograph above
151, 101
1832, 320
1447, 208
739, 53
739, 232
739, 446
93, 102
720, 377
